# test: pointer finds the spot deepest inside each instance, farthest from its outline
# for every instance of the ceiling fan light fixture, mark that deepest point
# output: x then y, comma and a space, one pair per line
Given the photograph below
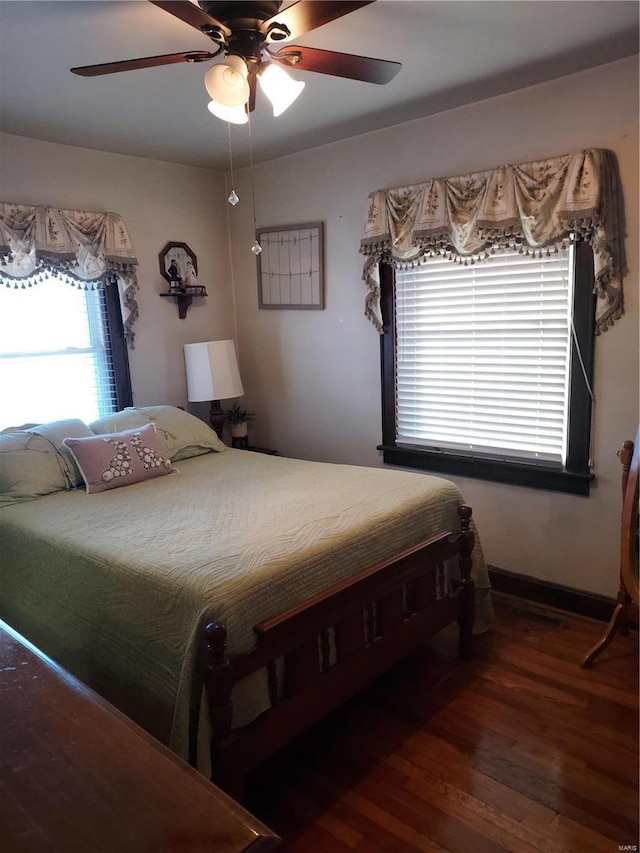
234, 115
227, 82
279, 87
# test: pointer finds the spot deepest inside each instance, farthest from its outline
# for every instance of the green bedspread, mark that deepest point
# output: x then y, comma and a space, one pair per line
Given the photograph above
117, 586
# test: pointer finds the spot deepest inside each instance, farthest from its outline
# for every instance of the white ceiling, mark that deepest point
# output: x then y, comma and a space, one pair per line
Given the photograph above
453, 53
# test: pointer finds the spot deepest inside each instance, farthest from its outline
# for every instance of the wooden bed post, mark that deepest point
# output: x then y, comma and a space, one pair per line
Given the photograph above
465, 621
219, 684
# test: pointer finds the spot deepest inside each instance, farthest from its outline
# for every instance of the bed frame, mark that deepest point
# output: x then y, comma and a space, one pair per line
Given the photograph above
322, 651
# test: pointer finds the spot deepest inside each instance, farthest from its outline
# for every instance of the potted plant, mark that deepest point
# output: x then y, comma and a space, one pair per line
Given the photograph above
238, 418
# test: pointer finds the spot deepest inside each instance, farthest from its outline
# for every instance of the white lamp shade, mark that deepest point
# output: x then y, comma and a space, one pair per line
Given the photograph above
279, 87
212, 371
227, 82
236, 115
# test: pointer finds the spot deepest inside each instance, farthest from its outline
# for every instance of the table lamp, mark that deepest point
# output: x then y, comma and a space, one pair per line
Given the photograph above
212, 374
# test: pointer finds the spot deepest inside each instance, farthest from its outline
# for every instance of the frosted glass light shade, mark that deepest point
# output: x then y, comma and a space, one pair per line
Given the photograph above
279, 87
236, 115
212, 371
227, 82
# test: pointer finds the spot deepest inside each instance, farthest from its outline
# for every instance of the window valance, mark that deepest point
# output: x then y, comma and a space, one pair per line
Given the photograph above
90, 250
534, 206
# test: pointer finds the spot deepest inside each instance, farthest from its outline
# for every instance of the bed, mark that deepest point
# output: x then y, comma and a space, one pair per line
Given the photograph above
227, 606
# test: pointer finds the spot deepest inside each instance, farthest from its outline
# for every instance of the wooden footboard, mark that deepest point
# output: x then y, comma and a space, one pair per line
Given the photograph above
322, 651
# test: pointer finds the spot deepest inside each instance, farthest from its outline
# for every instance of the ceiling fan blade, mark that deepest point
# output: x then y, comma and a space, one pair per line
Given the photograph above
306, 15
144, 62
253, 79
193, 15
348, 65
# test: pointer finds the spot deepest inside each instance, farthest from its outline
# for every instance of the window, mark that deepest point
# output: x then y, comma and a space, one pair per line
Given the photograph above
62, 353
486, 368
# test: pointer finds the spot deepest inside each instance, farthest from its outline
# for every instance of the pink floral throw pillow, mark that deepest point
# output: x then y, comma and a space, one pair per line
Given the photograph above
119, 458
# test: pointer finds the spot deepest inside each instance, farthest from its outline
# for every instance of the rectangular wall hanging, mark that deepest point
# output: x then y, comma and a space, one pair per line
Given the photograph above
291, 266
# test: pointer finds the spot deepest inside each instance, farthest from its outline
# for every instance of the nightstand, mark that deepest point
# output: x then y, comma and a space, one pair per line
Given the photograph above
243, 444
266, 450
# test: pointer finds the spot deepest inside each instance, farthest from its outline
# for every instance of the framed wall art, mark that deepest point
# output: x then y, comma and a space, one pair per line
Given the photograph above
178, 265
291, 266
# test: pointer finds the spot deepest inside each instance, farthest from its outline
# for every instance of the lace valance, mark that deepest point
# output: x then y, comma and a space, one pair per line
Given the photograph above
89, 250
534, 206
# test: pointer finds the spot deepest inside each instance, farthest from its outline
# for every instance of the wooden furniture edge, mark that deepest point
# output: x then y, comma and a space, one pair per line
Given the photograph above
85, 704
626, 609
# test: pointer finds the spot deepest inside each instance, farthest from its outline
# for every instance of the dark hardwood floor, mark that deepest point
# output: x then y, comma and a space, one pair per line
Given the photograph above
519, 750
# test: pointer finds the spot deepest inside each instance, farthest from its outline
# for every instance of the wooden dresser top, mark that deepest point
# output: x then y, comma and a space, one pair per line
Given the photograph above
77, 776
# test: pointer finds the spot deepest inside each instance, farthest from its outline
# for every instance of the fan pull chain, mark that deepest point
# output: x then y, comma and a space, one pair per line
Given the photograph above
256, 248
233, 198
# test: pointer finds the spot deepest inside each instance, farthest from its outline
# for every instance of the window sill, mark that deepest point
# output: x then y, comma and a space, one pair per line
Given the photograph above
514, 473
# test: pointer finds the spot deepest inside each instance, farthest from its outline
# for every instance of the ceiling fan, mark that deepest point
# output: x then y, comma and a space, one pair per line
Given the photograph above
244, 32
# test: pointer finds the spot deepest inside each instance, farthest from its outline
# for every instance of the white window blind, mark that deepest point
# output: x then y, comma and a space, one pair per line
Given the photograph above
54, 354
483, 355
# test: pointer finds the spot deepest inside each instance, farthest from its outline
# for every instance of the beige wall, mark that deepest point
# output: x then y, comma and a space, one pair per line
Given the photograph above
159, 202
313, 377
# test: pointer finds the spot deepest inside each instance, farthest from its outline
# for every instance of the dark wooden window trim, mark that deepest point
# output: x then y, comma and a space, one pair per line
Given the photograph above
584, 311
575, 477
118, 346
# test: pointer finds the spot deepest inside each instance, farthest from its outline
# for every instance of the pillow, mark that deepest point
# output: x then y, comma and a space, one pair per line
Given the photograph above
182, 435
30, 467
56, 432
120, 458
185, 434
20, 428
118, 421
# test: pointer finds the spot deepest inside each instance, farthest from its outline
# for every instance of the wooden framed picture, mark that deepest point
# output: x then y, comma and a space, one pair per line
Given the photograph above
291, 266
178, 265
